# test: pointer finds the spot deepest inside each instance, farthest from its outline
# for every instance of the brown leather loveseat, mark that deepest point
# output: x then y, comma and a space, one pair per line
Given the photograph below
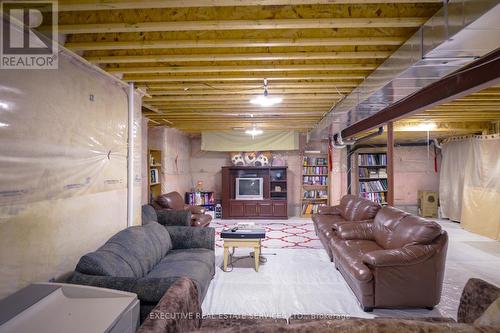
351, 209
174, 201
396, 261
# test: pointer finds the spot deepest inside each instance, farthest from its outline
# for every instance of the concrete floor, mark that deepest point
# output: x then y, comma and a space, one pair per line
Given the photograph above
300, 281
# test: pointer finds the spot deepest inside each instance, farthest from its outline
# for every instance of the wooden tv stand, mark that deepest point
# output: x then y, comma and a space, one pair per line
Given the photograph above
272, 206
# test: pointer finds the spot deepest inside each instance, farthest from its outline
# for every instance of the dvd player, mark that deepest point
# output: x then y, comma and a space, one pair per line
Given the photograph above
243, 233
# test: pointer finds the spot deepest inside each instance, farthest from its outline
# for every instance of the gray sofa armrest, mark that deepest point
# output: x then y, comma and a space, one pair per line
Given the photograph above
179, 310
110, 282
192, 237
151, 290
174, 217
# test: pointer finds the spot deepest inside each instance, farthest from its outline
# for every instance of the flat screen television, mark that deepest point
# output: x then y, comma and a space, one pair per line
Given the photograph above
249, 188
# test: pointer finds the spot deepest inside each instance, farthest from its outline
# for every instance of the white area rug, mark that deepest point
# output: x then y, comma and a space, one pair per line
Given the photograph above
290, 234
303, 281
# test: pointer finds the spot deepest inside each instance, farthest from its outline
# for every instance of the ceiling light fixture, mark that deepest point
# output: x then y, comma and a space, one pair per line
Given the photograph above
265, 100
254, 131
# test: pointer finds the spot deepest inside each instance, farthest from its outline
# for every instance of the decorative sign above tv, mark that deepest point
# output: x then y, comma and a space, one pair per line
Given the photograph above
256, 158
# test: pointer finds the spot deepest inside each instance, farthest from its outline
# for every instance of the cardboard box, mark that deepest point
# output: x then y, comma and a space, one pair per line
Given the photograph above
428, 203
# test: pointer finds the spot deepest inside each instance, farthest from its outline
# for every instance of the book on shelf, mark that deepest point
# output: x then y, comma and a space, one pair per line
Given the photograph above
311, 208
315, 194
379, 197
373, 185
315, 180
154, 175
200, 198
372, 159
372, 173
315, 161
316, 170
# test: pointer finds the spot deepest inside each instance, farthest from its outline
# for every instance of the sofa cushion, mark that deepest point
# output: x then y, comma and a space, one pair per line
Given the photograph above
394, 229
385, 223
365, 210
346, 204
415, 230
196, 263
132, 252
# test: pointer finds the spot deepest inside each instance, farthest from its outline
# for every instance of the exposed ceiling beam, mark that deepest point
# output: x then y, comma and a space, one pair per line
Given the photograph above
305, 97
237, 57
247, 86
243, 77
81, 5
244, 105
248, 92
246, 68
230, 43
213, 25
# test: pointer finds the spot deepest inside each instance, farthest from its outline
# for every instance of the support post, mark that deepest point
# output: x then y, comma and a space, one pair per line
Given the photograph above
390, 163
130, 157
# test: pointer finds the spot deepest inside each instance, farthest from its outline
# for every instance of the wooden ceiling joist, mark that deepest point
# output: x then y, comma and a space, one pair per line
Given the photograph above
227, 43
304, 97
201, 61
248, 85
86, 5
237, 57
250, 92
247, 68
244, 77
213, 25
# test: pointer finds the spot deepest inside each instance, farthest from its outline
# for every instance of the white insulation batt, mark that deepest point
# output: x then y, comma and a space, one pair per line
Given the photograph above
63, 168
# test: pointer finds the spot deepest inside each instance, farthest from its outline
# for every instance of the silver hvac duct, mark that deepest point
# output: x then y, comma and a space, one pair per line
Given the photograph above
456, 35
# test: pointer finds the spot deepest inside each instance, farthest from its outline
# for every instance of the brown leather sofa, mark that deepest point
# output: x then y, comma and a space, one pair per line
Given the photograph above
174, 201
396, 261
351, 209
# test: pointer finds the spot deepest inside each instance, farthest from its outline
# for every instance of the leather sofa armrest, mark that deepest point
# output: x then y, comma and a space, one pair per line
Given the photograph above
328, 210
197, 209
192, 237
405, 256
355, 230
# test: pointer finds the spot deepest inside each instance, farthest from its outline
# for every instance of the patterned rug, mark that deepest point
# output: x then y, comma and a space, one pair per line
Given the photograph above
279, 235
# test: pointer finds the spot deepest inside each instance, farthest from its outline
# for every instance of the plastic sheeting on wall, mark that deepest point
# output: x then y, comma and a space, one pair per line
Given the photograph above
63, 168
470, 183
239, 141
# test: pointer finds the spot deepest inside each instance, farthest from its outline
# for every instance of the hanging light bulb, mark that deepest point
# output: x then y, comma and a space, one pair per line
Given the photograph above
265, 100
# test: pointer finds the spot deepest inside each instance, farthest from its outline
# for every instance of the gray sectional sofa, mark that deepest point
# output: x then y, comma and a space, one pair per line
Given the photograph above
147, 259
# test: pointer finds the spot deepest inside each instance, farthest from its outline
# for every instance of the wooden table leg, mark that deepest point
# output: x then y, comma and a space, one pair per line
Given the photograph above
257, 257
226, 257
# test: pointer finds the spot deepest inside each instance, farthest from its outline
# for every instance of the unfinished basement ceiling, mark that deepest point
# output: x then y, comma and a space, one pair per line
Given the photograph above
477, 113
202, 61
